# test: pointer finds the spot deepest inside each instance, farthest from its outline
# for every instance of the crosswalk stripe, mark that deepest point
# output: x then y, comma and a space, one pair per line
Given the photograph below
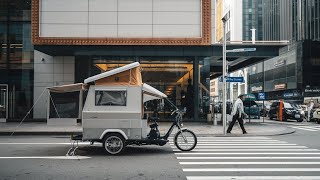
231, 138
253, 177
250, 169
236, 140
219, 137
245, 163
303, 128
251, 157
224, 150
231, 144
230, 155
245, 153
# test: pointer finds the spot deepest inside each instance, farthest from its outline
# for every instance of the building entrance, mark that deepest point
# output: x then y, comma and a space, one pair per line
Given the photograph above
3, 102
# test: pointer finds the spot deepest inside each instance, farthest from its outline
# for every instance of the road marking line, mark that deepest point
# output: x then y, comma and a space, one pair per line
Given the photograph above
244, 163
310, 127
303, 128
253, 177
240, 140
249, 147
250, 157
267, 123
245, 153
47, 157
250, 169
288, 123
13, 143
197, 149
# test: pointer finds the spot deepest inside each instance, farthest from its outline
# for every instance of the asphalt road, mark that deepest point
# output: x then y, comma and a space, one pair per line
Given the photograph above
293, 156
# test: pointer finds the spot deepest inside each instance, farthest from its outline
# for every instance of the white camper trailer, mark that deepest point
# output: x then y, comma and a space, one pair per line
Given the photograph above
113, 113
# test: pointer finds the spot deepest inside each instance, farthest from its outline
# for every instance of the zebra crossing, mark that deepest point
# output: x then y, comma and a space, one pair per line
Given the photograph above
307, 128
237, 158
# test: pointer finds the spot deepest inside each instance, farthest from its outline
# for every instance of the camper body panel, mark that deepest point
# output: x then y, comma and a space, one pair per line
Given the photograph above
100, 114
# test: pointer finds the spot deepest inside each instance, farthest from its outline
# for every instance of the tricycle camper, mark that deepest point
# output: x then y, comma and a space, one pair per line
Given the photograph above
113, 112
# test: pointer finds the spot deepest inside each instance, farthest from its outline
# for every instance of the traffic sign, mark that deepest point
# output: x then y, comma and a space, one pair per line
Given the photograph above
262, 96
241, 50
233, 79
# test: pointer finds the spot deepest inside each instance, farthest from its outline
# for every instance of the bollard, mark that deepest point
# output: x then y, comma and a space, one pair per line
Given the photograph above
209, 118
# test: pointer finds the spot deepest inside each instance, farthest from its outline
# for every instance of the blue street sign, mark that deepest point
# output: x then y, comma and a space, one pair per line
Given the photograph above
235, 79
241, 50
262, 96
232, 79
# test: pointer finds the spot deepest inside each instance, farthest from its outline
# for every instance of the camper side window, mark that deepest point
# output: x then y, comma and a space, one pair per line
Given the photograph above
111, 98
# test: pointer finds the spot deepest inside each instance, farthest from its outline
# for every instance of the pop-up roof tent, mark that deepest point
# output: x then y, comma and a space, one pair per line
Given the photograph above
128, 75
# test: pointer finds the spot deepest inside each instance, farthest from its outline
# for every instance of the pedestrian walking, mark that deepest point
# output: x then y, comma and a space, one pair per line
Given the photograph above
310, 107
238, 114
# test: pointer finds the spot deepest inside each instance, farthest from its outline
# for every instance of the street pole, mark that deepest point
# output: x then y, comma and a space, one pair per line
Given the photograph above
224, 76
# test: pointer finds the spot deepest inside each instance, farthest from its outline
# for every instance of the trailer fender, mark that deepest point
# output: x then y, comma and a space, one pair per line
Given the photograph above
114, 131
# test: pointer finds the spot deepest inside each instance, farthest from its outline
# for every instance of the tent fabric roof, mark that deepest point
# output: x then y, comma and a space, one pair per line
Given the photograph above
152, 90
112, 72
68, 88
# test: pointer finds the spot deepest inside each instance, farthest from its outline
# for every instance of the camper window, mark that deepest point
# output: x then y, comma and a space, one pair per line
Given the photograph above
110, 98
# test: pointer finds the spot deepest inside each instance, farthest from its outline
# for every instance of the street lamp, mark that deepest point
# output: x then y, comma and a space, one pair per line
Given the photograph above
224, 74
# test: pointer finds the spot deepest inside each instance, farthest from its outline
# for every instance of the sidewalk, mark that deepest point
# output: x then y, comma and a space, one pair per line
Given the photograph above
199, 128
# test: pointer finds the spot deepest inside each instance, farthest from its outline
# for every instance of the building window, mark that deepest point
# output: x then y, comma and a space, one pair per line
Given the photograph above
111, 98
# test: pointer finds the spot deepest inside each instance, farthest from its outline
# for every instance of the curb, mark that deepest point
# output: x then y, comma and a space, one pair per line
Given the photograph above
64, 133
246, 135
28, 133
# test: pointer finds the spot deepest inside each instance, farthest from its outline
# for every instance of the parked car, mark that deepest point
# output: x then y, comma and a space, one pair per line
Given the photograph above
316, 115
264, 109
252, 109
218, 107
299, 108
288, 112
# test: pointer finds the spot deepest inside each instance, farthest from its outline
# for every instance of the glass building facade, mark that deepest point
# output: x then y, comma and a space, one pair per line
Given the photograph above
185, 79
252, 19
277, 77
16, 59
291, 20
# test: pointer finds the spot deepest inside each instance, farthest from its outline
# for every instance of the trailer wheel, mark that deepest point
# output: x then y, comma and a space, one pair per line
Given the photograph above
113, 143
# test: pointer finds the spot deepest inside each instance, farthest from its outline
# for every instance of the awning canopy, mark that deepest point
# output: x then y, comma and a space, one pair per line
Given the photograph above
151, 93
68, 88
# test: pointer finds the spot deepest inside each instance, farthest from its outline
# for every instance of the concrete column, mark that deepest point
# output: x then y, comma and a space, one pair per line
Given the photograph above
196, 81
49, 71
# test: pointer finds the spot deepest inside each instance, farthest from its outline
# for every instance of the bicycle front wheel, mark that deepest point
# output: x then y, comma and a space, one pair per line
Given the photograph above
185, 140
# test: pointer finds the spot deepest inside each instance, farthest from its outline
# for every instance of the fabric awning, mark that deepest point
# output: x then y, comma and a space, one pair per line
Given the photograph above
151, 93
68, 88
